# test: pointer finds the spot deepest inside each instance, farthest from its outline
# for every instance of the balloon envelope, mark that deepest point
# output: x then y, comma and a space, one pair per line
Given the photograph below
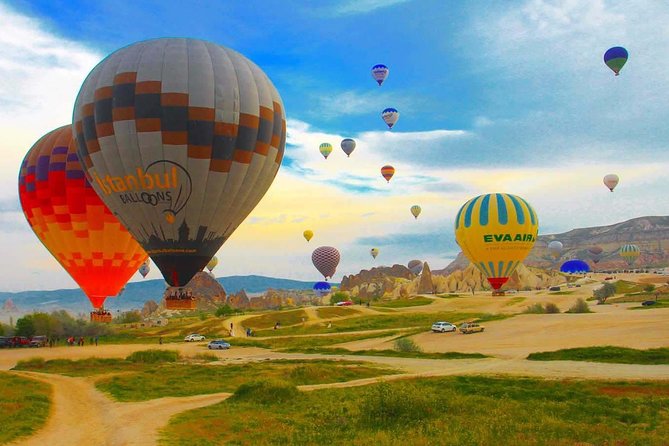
415, 266
374, 252
308, 234
611, 181
390, 116
630, 253
348, 146
615, 58
415, 210
555, 248
575, 266
322, 289
380, 73
182, 138
326, 259
212, 263
145, 268
496, 232
72, 222
387, 172
325, 149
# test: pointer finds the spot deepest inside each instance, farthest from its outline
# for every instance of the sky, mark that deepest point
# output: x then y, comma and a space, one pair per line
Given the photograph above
494, 96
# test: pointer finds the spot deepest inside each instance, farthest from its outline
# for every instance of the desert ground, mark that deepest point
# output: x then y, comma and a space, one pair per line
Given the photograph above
507, 342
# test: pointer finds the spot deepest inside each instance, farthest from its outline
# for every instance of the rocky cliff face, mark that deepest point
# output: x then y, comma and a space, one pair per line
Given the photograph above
377, 282
208, 293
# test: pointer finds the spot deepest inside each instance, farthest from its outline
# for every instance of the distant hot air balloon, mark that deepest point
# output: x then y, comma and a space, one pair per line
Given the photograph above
72, 222
380, 73
325, 149
415, 266
322, 289
326, 259
374, 252
611, 181
615, 58
212, 263
575, 266
496, 232
145, 268
390, 116
555, 249
182, 138
630, 253
595, 253
415, 210
348, 146
308, 234
387, 172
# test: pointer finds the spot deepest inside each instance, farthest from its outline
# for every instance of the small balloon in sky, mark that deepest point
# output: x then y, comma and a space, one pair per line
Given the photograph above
380, 73
390, 116
416, 210
387, 172
308, 234
325, 149
348, 146
615, 58
374, 252
611, 181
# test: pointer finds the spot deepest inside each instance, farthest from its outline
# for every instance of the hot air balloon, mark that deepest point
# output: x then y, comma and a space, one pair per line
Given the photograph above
415, 266
374, 252
322, 289
595, 253
615, 58
611, 181
415, 211
73, 223
145, 268
575, 266
325, 149
387, 172
555, 249
390, 116
182, 138
496, 232
630, 253
326, 259
380, 73
308, 234
212, 263
348, 146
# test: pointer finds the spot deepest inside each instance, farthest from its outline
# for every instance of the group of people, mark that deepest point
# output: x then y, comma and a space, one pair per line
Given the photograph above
180, 293
80, 342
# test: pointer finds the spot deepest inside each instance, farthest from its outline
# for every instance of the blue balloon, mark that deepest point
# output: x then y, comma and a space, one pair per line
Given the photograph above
575, 267
322, 288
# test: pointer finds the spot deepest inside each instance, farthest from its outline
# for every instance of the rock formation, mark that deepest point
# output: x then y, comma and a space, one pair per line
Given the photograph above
150, 307
425, 284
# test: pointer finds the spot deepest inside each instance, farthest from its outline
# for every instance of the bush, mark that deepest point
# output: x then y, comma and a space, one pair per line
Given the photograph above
391, 405
406, 345
31, 364
580, 306
339, 296
604, 292
535, 309
154, 356
225, 310
551, 308
129, 317
265, 392
649, 288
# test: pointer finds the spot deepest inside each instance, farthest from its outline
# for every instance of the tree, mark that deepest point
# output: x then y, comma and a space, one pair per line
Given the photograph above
129, 317
604, 292
25, 326
339, 296
649, 288
225, 310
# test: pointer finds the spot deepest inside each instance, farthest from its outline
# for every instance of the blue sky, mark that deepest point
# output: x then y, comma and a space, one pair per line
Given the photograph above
508, 96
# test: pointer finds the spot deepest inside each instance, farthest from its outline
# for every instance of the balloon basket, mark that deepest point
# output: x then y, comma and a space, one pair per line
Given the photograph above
498, 293
103, 317
180, 304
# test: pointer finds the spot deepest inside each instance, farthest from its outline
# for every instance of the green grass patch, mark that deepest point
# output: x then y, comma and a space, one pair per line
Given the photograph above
389, 352
560, 293
293, 342
331, 312
659, 304
624, 286
189, 379
266, 392
154, 356
24, 406
267, 320
611, 354
514, 301
403, 303
82, 367
453, 410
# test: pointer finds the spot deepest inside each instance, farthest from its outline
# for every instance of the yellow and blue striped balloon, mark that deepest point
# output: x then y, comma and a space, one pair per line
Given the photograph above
630, 253
496, 232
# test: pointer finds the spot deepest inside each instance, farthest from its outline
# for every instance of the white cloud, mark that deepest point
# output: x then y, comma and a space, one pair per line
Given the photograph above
351, 7
355, 103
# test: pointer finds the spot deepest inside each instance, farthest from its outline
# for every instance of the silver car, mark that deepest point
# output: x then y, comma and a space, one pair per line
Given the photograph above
194, 337
443, 327
218, 344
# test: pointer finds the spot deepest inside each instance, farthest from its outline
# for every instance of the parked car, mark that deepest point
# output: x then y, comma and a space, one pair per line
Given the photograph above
344, 303
554, 288
38, 341
218, 344
648, 303
471, 327
6, 342
442, 327
194, 337
20, 341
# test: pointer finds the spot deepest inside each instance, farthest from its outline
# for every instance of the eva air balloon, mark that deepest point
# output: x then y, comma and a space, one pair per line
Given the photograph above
415, 210
496, 232
181, 138
374, 252
348, 146
615, 58
325, 149
380, 73
611, 181
630, 253
390, 116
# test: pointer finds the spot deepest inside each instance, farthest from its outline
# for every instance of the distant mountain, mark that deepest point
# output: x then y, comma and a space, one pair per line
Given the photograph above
650, 234
136, 293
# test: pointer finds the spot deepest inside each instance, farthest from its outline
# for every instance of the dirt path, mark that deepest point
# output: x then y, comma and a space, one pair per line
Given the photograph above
81, 415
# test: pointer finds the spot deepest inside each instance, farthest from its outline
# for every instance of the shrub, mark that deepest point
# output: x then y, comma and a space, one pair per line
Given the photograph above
388, 405
580, 306
535, 309
154, 356
406, 345
551, 308
649, 288
339, 296
31, 364
225, 310
604, 292
265, 392
129, 317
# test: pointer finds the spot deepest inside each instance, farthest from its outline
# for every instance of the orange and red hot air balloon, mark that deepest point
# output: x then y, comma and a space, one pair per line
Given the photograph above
73, 223
387, 172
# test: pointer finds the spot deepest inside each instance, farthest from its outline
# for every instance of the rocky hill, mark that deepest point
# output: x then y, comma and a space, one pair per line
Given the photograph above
650, 234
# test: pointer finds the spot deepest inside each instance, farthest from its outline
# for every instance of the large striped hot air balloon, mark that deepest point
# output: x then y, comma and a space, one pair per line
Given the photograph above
387, 172
326, 259
380, 73
325, 149
630, 253
73, 223
575, 266
615, 58
182, 138
496, 232
348, 146
390, 116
